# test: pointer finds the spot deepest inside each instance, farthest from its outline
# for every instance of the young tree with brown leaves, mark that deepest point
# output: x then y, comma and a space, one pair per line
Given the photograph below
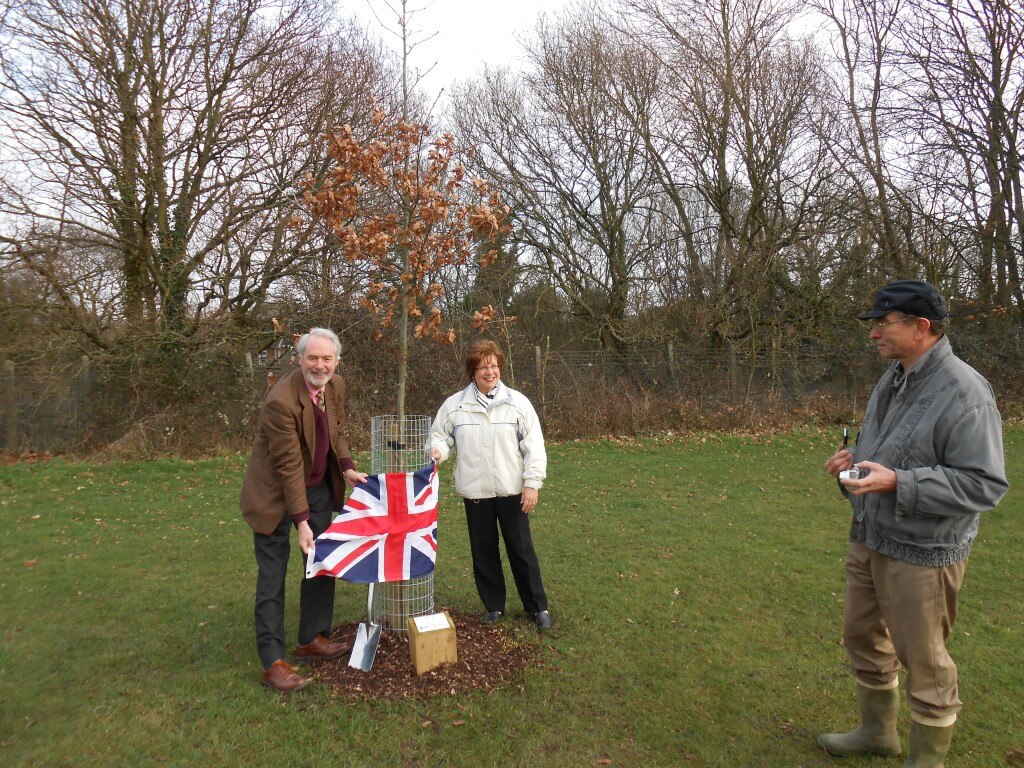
403, 203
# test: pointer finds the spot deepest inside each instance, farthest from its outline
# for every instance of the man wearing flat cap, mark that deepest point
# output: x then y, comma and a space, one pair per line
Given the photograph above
932, 450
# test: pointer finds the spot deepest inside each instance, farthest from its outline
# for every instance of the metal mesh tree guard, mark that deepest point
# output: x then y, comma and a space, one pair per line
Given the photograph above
397, 443
395, 602
397, 446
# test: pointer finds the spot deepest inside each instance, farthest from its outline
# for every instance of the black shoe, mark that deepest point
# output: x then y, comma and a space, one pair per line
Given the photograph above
491, 617
544, 620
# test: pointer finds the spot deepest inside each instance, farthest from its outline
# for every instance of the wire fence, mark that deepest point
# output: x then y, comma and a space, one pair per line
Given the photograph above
577, 393
708, 380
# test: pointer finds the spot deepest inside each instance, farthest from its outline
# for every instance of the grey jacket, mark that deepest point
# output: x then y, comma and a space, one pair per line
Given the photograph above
943, 437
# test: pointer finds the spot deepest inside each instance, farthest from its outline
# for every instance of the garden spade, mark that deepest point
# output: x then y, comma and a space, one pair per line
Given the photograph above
364, 649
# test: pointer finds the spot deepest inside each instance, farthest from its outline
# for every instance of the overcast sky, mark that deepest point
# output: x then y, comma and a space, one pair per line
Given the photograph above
470, 33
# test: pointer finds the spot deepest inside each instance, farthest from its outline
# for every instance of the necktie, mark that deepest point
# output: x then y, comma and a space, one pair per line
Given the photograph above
320, 401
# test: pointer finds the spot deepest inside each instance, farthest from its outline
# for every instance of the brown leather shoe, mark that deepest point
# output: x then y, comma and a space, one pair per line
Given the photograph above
321, 648
281, 677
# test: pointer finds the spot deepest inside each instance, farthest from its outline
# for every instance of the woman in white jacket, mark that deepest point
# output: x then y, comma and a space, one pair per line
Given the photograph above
500, 467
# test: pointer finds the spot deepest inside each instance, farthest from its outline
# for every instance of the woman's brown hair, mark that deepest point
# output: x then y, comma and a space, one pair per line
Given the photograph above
479, 351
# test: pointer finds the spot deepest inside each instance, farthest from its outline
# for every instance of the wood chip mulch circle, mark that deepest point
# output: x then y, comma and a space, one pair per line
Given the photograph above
488, 657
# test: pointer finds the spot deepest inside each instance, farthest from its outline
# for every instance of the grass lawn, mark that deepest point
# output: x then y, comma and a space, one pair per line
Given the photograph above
696, 586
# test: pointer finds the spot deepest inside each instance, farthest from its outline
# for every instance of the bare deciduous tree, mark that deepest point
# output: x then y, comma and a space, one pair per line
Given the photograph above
866, 35
168, 136
573, 169
965, 98
737, 137
934, 92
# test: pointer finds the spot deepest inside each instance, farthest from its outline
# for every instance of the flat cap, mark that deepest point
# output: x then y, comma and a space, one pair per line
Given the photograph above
912, 297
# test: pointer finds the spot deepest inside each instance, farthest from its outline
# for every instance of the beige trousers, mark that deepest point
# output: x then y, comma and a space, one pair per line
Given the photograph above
899, 613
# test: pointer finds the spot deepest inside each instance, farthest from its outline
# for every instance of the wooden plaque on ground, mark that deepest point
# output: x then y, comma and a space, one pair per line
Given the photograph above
431, 641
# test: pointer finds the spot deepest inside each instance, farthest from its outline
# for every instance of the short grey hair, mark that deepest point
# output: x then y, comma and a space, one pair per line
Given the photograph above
324, 333
939, 327
936, 327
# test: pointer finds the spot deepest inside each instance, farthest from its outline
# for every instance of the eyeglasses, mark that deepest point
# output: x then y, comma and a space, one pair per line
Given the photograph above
872, 324
483, 368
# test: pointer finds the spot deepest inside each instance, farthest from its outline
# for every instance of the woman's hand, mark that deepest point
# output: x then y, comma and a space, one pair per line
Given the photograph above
529, 500
435, 454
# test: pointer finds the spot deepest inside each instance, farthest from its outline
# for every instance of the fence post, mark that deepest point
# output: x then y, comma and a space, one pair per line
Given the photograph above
82, 408
733, 376
671, 355
540, 362
10, 408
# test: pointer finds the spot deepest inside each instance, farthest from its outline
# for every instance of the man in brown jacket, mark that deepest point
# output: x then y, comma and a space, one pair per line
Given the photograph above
296, 476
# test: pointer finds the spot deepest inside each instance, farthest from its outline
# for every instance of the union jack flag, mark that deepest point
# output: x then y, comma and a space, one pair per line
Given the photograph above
387, 530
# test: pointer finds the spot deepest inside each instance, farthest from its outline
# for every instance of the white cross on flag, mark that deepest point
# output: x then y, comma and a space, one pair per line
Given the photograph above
387, 530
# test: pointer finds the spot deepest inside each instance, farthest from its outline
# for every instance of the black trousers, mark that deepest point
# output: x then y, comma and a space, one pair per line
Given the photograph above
316, 595
483, 518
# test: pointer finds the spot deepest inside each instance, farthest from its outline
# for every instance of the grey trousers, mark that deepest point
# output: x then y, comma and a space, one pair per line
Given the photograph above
316, 595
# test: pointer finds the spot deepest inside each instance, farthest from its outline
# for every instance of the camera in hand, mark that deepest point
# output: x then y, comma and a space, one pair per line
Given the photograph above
854, 473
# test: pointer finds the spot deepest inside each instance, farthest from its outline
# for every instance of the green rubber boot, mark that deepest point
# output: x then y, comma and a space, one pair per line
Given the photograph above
877, 732
928, 745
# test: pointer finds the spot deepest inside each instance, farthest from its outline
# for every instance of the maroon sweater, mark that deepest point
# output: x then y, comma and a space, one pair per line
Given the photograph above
320, 458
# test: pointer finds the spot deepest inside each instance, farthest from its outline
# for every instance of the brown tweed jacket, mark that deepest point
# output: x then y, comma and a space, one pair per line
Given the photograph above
282, 454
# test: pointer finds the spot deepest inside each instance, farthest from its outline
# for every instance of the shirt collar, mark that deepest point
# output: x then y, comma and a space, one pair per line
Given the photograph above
901, 376
313, 390
491, 397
